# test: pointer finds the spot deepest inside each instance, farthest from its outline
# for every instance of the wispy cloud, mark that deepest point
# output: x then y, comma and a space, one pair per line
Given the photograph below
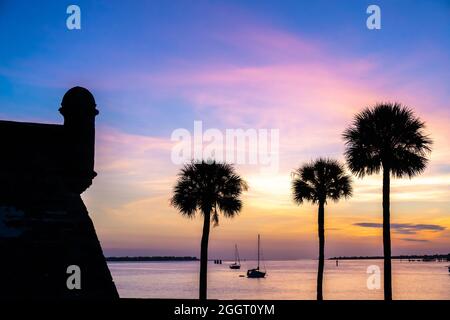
415, 240
403, 228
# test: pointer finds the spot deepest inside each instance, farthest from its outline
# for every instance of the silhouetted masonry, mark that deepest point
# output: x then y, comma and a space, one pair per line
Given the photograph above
44, 224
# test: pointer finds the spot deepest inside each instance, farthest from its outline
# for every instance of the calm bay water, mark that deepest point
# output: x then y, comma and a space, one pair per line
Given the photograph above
285, 280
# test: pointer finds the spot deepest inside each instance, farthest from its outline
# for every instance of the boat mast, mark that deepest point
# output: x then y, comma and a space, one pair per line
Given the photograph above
258, 251
237, 254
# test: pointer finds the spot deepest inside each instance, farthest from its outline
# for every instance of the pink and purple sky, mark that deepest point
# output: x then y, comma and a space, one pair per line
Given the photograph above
303, 68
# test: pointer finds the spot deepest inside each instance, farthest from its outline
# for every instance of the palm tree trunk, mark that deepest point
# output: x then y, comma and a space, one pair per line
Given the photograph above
204, 256
387, 234
321, 222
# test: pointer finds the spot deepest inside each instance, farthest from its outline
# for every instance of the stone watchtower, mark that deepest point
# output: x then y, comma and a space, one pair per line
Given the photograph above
44, 224
78, 109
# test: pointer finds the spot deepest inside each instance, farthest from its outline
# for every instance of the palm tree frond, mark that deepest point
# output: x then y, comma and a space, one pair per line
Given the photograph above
321, 179
206, 186
387, 135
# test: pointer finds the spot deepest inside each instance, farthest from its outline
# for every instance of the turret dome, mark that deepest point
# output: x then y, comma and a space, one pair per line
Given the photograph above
78, 101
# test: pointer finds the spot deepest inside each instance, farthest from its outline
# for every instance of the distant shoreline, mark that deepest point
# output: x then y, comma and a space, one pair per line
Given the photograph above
427, 257
438, 257
152, 258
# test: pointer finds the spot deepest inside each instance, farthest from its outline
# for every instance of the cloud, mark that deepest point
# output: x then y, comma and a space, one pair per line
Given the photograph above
414, 240
403, 228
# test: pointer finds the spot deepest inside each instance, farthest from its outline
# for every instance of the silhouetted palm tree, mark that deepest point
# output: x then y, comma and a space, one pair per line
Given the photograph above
387, 137
209, 188
317, 182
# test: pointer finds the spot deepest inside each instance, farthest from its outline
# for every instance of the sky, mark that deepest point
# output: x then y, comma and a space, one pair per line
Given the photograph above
303, 68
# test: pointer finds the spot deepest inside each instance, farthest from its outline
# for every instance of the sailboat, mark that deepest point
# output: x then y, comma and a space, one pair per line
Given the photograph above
256, 273
237, 261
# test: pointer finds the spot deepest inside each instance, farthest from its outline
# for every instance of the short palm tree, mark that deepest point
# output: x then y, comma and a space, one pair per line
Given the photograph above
209, 188
317, 182
387, 137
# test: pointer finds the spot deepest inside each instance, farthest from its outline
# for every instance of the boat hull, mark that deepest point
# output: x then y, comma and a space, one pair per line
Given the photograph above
235, 266
255, 273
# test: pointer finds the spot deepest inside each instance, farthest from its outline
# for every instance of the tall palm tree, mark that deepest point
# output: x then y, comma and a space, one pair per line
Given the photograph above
387, 137
209, 188
317, 182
